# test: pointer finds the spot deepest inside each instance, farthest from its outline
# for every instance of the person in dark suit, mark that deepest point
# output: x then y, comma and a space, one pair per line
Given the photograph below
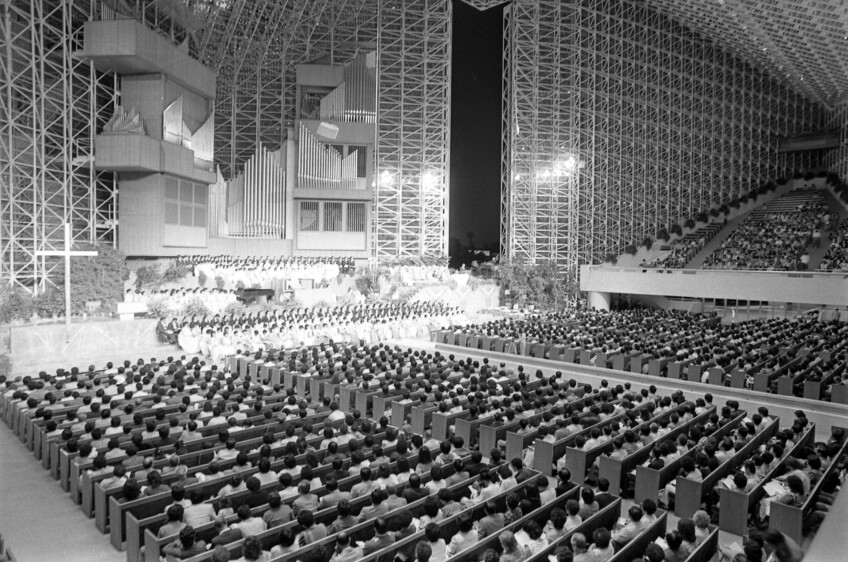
603, 497
381, 539
492, 522
476, 466
414, 491
521, 472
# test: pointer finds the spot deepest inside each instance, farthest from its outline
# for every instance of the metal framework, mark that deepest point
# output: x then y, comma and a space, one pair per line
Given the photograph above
618, 120
256, 98
51, 106
413, 139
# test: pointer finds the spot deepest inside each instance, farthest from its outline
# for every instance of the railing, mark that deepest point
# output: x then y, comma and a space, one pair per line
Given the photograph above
811, 287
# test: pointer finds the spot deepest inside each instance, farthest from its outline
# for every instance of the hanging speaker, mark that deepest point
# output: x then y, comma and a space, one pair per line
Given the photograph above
328, 130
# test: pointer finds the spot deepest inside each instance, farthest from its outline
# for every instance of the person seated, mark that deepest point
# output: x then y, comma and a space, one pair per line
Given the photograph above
186, 546
251, 551
625, 533
676, 551
602, 548
347, 549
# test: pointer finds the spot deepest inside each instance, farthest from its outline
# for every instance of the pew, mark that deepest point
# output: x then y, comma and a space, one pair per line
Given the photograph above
650, 481
707, 550
637, 363
146, 507
540, 515
658, 367
365, 530
614, 470
606, 518
547, 454
636, 547
735, 505
690, 494
737, 379
153, 545
789, 519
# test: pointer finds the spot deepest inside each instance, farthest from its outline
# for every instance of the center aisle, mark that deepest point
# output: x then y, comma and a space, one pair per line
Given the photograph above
38, 520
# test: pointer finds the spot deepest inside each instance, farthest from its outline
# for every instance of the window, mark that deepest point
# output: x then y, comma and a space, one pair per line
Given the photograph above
185, 203
309, 216
332, 216
356, 217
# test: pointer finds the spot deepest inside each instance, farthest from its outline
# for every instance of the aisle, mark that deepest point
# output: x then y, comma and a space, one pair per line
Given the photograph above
38, 520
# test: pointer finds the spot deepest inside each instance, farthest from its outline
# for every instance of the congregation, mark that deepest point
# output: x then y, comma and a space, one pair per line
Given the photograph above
761, 348
776, 237
281, 474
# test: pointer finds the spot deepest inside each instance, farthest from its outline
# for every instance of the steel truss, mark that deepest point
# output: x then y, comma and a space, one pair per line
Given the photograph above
413, 145
52, 105
836, 160
617, 121
255, 46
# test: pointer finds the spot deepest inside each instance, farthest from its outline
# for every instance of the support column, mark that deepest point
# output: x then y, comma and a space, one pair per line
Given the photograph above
599, 300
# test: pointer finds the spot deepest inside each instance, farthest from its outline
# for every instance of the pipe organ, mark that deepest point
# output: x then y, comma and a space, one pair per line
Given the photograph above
256, 197
322, 166
355, 99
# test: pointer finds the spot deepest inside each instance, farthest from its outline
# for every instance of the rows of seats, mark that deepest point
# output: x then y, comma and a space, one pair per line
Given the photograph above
775, 236
682, 250
800, 357
397, 394
836, 258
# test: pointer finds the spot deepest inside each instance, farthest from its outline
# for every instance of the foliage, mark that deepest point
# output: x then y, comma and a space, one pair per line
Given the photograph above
676, 229
630, 249
648, 242
832, 178
147, 276
743, 200
5, 365
611, 258
256, 286
15, 304
97, 278
195, 307
809, 175
236, 308
663, 235
782, 181
51, 303
239, 284
724, 209
544, 286
701, 217
201, 279
175, 272
219, 281
714, 213
158, 307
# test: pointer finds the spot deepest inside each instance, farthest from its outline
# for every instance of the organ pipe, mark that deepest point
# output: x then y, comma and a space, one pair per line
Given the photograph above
320, 166
257, 197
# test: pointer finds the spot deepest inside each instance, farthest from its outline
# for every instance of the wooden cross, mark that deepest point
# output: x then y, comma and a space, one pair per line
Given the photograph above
66, 253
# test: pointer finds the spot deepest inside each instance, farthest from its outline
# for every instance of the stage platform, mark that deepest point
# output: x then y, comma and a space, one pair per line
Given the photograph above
46, 347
